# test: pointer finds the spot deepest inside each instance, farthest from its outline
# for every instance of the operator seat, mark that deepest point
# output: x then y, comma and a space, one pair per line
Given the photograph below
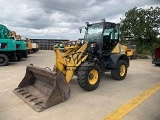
107, 45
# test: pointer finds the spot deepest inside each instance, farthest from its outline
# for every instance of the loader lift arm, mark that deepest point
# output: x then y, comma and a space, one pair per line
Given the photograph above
68, 63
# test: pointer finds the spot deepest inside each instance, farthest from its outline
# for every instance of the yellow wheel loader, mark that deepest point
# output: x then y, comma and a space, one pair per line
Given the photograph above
130, 49
98, 53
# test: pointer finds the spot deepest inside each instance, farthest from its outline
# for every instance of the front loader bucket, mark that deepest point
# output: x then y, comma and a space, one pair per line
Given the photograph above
41, 88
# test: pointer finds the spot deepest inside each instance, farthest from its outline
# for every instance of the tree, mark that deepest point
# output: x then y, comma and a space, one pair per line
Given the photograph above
144, 26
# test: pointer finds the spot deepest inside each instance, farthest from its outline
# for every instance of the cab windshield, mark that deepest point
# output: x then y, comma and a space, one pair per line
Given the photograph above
94, 32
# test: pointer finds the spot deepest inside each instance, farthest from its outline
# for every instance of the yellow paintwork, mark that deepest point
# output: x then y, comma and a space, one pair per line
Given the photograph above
120, 112
71, 49
125, 48
94, 79
122, 70
18, 37
29, 45
13, 34
118, 49
129, 52
67, 63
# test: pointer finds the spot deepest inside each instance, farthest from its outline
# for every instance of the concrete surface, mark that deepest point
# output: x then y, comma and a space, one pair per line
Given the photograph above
82, 105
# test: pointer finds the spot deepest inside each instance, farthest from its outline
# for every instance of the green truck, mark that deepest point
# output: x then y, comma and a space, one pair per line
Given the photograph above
7, 46
21, 50
21, 47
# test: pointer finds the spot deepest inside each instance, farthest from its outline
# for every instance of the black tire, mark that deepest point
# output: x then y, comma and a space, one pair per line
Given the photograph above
18, 57
157, 64
116, 72
83, 76
25, 54
4, 60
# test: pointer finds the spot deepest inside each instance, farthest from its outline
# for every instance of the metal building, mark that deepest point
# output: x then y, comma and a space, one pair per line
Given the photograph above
47, 44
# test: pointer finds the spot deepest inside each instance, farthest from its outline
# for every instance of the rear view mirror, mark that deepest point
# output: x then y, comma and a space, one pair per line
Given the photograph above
80, 29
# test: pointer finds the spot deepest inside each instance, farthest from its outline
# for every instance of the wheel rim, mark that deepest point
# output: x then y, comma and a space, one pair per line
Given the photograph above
93, 77
122, 70
2, 60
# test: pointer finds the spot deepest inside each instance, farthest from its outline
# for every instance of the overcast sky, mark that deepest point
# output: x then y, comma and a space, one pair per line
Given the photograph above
61, 19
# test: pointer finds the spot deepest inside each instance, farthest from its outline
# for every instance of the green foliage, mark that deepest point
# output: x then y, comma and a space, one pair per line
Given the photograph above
144, 26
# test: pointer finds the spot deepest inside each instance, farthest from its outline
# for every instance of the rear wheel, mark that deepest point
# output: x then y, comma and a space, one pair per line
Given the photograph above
119, 73
89, 76
4, 60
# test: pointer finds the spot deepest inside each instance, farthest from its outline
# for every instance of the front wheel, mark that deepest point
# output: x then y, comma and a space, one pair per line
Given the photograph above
119, 73
89, 76
4, 60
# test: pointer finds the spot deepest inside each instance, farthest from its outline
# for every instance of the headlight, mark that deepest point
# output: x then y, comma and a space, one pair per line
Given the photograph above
82, 41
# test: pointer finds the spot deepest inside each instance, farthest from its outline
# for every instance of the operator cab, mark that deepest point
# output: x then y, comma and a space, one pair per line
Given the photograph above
110, 37
104, 34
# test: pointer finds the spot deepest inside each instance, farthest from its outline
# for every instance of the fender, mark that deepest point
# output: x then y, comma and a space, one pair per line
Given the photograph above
114, 58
